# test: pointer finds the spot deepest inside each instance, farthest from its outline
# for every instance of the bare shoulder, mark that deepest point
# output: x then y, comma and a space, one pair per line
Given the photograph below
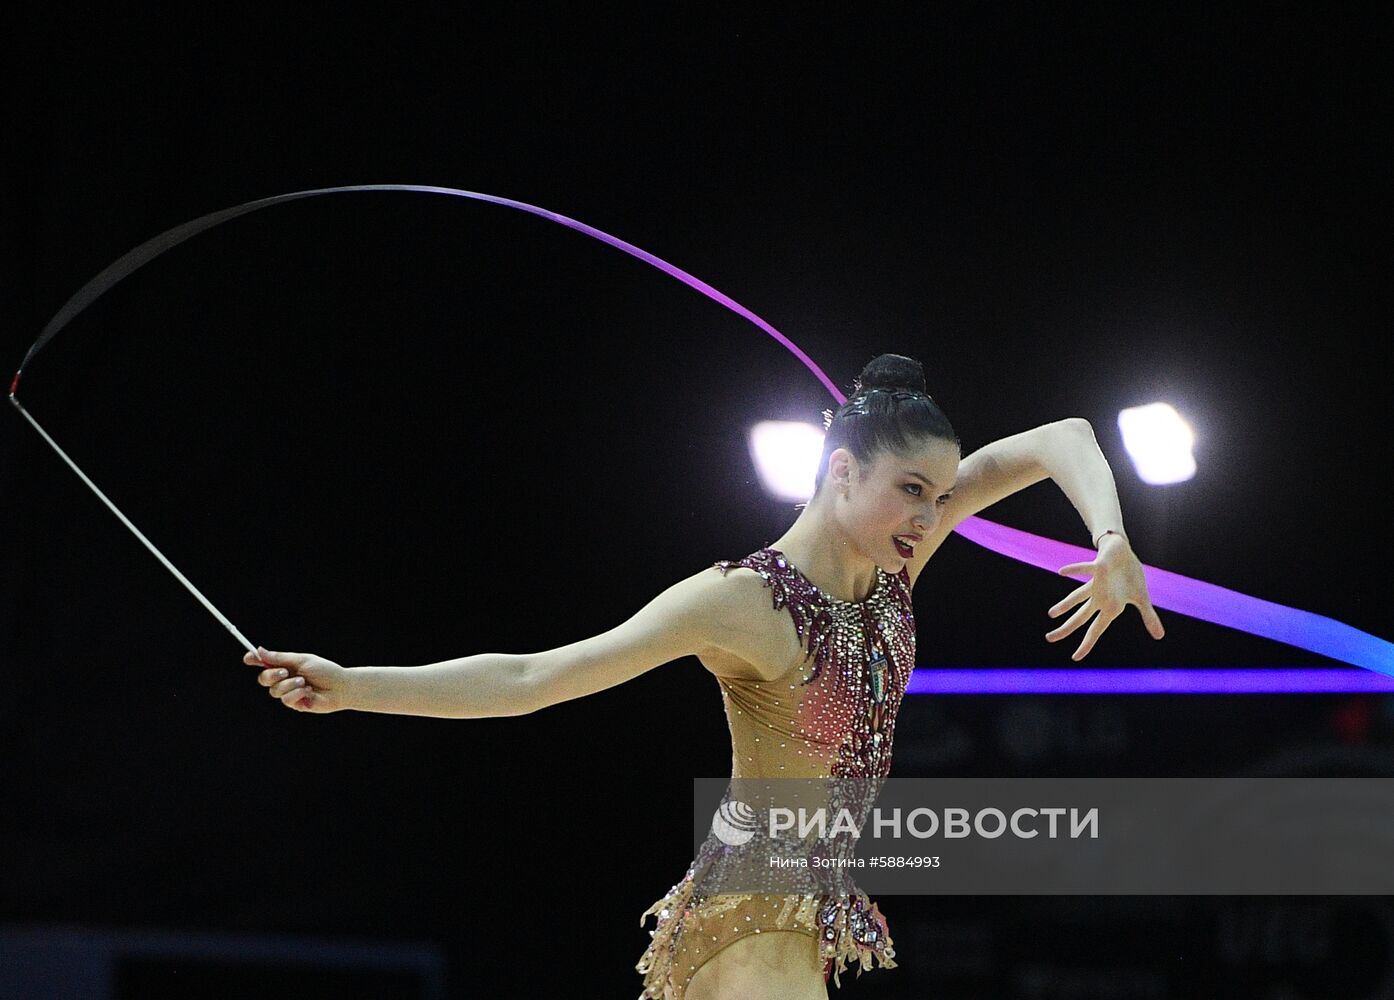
738, 593
717, 602
749, 638
704, 614
712, 603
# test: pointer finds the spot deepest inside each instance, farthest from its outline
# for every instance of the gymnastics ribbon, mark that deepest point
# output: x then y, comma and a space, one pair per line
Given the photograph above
1168, 590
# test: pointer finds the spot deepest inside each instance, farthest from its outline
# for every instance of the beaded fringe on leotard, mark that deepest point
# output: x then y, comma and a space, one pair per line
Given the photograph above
658, 957
850, 930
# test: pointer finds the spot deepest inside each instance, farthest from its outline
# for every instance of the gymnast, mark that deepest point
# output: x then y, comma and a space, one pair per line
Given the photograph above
811, 640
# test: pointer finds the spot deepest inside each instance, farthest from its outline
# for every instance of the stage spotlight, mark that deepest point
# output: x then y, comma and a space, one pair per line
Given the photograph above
1159, 443
786, 453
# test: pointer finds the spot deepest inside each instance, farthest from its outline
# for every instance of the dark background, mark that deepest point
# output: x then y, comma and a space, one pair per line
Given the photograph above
394, 428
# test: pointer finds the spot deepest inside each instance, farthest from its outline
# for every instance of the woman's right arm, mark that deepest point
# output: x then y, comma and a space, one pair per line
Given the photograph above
693, 614
698, 613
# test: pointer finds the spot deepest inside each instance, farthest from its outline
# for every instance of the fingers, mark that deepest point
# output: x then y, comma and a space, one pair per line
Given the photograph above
291, 660
294, 692
1150, 619
1075, 621
277, 665
270, 675
302, 699
1077, 569
287, 685
269, 659
1079, 594
1099, 624
1096, 629
280, 679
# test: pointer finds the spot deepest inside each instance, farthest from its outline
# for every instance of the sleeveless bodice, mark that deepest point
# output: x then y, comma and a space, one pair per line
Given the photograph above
831, 715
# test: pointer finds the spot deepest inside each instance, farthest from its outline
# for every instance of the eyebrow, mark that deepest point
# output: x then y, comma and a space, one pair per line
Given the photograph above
912, 472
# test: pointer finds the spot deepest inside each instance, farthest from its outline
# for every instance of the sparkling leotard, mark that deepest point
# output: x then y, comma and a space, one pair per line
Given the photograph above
833, 720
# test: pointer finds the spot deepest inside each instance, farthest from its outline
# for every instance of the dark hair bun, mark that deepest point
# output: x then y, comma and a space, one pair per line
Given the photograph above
892, 371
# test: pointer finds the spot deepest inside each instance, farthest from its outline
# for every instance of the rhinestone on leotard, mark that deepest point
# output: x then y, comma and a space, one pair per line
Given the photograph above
834, 720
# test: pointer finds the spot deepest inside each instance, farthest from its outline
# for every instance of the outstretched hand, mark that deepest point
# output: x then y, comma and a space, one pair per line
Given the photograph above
1116, 581
302, 681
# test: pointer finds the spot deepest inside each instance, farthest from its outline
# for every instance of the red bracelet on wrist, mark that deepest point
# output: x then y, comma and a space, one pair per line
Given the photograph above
1110, 531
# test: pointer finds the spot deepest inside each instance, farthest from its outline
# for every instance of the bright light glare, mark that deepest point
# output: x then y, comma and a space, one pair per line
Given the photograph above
786, 453
1159, 443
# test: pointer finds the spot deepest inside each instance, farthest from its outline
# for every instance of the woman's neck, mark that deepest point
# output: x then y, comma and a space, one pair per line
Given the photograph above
824, 553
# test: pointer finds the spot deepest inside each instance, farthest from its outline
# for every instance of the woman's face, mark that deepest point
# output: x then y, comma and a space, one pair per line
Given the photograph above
899, 501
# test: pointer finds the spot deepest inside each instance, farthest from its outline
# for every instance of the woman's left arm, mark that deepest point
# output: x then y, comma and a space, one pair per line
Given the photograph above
1074, 461
1068, 453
